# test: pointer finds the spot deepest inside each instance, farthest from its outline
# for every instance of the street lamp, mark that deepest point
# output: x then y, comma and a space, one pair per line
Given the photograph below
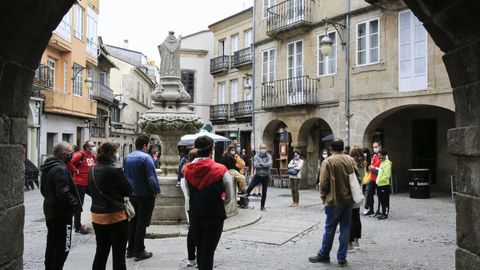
326, 44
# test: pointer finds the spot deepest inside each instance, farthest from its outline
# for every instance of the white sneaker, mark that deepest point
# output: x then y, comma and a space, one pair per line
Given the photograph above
191, 263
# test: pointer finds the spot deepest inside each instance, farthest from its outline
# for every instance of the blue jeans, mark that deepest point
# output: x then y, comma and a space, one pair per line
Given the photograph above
340, 213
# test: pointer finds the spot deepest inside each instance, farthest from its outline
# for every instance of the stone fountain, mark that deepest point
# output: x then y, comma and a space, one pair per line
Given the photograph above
170, 118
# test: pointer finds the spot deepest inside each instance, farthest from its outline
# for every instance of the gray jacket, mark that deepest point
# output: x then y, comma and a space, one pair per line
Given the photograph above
262, 164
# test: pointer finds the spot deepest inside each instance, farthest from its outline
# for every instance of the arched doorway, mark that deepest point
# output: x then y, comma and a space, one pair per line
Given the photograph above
314, 135
415, 136
278, 140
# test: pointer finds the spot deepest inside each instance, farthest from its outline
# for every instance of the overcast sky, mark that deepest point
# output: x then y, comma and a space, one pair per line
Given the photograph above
145, 23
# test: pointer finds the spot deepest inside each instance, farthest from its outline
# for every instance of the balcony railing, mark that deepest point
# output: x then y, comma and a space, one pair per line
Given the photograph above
43, 77
219, 64
219, 112
103, 93
243, 109
98, 132
242, 57
294, 91
288, 15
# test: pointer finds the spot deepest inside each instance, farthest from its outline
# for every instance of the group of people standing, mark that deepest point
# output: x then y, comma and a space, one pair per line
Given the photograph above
67, 177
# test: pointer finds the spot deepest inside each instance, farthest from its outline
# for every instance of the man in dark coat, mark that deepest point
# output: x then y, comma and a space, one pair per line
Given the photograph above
60, 203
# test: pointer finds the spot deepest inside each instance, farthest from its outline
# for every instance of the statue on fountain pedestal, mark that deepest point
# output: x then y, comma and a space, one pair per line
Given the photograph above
170, 55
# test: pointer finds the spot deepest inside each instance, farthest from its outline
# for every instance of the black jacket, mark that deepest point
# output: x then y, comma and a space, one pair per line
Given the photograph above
113, 183
61, 196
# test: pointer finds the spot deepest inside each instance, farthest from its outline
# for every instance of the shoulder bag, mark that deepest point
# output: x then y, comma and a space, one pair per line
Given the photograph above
127, 205
357, 194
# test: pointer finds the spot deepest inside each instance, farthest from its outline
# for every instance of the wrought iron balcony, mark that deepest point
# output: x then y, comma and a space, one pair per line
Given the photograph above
242, 57
287, 16
296, 91
219, 64
43, 78
219, 112
243, 109
103, 93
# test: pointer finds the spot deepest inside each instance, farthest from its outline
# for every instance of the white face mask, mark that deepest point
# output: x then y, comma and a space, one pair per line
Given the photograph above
376, 149
117, 156
94, 149
324, 155
296, 157
233, 152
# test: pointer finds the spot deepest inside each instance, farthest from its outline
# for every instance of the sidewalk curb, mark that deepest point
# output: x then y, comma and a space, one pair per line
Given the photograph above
242, 219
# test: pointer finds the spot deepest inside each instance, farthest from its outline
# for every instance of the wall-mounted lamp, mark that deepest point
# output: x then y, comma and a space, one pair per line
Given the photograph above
76, 70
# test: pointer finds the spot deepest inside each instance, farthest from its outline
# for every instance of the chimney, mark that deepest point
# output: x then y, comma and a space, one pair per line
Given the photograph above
125, 43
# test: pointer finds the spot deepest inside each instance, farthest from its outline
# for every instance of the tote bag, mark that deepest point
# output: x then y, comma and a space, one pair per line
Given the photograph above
357, 194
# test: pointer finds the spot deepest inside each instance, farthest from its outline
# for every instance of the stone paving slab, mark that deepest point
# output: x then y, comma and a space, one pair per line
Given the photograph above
419, 234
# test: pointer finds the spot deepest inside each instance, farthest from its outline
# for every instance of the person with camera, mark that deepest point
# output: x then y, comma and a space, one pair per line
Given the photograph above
294, 174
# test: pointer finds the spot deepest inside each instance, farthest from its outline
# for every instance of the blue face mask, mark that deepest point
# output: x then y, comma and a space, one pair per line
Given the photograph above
263, 152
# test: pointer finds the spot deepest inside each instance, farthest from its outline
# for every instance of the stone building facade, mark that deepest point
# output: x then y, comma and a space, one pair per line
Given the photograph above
397, 85
132, 83
195, 55
231, 67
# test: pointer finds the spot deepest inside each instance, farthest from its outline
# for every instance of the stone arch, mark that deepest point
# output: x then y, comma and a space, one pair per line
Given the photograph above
416, 137
313, 135
269, 132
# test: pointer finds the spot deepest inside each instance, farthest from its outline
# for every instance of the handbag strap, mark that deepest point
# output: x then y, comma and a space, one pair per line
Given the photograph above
99, 190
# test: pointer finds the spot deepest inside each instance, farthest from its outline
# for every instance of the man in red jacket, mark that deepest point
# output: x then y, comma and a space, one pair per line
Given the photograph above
79, 166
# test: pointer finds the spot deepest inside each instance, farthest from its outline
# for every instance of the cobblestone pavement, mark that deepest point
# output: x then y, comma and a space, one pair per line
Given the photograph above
419, 234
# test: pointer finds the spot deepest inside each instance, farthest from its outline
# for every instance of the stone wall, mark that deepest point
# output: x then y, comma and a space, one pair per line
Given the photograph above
25, 28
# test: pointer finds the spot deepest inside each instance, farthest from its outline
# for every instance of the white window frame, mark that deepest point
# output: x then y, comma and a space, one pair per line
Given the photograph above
221, 93
367, 42
267, 4
270, 72
64, 29
247, 81
78, 30
92, 38
234, 42
413, 81
222, 47
248, 35
233, 91
77, 84
295, 57
51, 64
326, 59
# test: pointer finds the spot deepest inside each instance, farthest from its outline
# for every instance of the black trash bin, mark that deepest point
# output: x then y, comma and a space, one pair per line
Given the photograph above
419, 183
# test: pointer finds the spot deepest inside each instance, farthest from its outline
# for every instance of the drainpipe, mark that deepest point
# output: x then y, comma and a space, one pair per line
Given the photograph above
253, 80
347, 76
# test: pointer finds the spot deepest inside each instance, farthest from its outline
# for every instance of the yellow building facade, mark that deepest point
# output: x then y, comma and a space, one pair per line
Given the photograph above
63, 78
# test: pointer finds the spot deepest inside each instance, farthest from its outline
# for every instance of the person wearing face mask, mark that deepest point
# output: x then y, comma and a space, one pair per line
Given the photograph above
372, 185
294, 174
61, 201
235, 165
262, 162
79, 165
325, 154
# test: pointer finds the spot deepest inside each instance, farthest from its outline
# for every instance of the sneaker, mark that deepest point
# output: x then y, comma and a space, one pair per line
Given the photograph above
191, 263
129, 254
178, 184
376, 214
356, 244
143, 255
368, 212
382, 216
263, 209
82, 230
342, 263
350, 245
319, 259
